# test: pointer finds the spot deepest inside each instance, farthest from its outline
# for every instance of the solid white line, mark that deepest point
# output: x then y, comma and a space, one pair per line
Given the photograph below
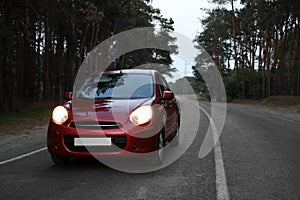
221, 182
22, 156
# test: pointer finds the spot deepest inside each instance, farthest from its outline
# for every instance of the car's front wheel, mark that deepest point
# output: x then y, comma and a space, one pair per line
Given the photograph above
158, 155
175, 140
59, 160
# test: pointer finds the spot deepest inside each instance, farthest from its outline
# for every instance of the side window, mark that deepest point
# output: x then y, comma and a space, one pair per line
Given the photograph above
159, 85
166, 85
162, 84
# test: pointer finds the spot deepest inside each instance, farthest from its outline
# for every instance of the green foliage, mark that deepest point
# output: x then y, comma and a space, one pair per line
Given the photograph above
255, 47
43, 43
230, 87
30, 112
282, 101
185, 85
273, 101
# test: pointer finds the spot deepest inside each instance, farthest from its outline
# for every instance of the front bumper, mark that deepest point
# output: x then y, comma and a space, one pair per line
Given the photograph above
125, 141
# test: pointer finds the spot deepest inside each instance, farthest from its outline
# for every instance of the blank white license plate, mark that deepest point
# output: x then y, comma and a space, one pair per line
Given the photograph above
92, 141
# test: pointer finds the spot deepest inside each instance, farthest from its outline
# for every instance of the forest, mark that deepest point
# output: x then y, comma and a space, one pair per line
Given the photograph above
256, 47
43, 43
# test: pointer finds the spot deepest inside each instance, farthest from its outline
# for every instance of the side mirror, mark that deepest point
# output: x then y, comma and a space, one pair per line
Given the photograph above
168, 95
68, 96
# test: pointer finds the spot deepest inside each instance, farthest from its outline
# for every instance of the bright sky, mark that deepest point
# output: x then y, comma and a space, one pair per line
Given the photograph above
185, 13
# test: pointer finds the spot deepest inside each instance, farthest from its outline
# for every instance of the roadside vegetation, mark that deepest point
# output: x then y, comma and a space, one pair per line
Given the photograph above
273, 101
30, 112
282, 103
43, 43
256, 47
25, 119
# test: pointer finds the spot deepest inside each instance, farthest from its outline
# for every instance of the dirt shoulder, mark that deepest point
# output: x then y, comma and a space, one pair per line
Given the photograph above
288, 104
284, 109
287, 109
24, 126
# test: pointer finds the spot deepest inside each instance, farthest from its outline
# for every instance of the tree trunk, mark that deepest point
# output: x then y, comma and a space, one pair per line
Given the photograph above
252, 62
298, 63
28, 65
236, 63
82, 44
275, 64
46, 89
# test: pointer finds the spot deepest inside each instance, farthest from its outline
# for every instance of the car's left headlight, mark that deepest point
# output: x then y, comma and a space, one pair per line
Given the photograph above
141, 115
59, 115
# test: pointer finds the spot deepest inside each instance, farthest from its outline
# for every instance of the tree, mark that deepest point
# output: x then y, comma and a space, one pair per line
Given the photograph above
44, 42
262, 41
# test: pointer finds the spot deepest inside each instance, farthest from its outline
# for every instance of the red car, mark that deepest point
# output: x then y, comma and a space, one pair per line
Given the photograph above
115, 113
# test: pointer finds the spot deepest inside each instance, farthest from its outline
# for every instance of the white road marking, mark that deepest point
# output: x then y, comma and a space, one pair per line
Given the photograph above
22, 156
221, 182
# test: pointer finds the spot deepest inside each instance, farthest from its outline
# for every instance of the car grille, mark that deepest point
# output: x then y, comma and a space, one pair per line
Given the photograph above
118, 141
95, 125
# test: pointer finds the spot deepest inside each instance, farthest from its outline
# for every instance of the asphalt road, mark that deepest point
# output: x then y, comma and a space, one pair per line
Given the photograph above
257, 158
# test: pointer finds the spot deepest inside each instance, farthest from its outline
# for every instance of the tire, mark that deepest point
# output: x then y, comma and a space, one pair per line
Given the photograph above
59, 160
175, 140
158, 156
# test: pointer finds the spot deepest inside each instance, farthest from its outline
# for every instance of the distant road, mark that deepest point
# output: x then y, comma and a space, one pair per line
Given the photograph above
260, 153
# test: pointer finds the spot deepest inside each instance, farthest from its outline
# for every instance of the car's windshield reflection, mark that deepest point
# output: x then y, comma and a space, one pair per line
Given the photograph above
117, 86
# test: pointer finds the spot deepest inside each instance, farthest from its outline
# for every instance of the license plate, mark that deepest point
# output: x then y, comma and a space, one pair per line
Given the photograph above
92, 141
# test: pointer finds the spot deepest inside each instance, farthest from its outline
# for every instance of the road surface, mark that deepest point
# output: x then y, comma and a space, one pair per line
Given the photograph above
257, 157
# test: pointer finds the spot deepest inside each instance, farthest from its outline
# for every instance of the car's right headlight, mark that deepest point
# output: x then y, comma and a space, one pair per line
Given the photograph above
141, 115
59, 115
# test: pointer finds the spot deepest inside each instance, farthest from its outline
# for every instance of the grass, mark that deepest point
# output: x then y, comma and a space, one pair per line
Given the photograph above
245, 101
30, 112
281, 101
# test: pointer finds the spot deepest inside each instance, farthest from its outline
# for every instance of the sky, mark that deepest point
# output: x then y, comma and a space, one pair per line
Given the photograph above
186, 15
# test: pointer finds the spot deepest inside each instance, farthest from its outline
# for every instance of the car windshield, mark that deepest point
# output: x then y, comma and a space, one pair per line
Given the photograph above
117, 86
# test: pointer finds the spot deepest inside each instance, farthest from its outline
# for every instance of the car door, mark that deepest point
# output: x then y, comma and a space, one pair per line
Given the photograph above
169, 106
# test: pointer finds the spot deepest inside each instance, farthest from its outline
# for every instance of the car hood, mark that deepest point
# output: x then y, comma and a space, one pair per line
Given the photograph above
105, 110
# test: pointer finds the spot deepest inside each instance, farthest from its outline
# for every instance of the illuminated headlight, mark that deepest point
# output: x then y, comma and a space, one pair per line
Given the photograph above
141, 115
59, 115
